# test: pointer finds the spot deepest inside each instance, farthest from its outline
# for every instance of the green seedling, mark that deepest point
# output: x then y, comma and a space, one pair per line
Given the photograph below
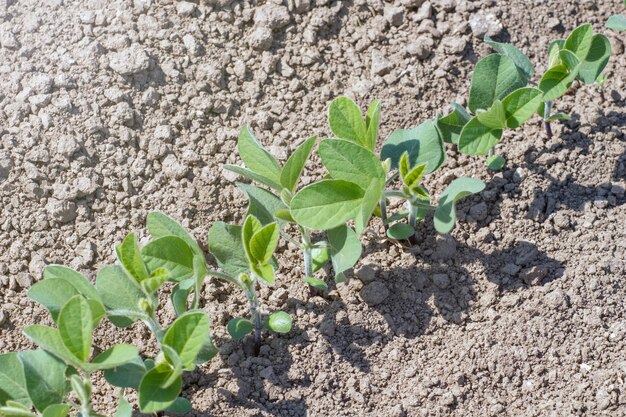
582, 56
323, 206
245, 255
129, 290
39, 382
414, 152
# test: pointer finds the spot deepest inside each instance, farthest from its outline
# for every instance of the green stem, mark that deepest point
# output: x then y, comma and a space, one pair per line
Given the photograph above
383, 211
255, 313
547, 111
155, 328
307, 251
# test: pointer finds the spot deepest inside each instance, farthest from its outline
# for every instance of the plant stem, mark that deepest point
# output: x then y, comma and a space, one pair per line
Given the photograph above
547, 109
307, 251
153, 324
383, 212
256, 316
412, 218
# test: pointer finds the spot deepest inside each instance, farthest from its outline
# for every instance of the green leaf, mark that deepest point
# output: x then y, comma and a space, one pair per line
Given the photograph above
127, 375
284, 215
226, 246
280, 322
130, 257
346, 122
253, 176
124, 409
493, 118
171, 253
414, 177
53, 293
251, 225
119, 291
616, 22
76, 279
520, 105
295, 164
159, 277
256, 158
239, 327
372, 122
579, 41
596, 59
76, 327
172, 359
372, 196
49, 338
400, 231
262, 203
56, 410
555, 82
570, 59
553, 52
520, 60
161, 225
423, 143
316, 283
494, 77
345, 248
15, 409
327, 204
477, 139
208, 351
397, 216
445, 215
495, 162
263, 243
187, 335
45, 378
320, 255
179, 297
450, 126
114, 357
180, 406
153, 396
347, 161
264, 272
12, 380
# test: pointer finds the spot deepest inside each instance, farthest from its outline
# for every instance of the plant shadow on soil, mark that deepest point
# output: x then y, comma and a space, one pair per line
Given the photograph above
567, 192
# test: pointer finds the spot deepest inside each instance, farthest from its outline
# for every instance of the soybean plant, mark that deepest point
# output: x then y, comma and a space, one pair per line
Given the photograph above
279, 204
245, 255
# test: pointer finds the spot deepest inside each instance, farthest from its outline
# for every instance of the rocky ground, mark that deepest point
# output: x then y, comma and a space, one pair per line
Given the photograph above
110, 109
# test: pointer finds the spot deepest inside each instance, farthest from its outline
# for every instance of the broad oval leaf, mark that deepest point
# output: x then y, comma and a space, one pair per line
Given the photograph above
76, 327
208, 351
226, 246
477, 139
180, 406
579, 41
49, 338
445, 215
119, 292
494, 118
53, 293
348, 161
187, 335
450, 126
495, 162
171, 253
255, 157
114, 357
56, 410
130, 257
520, 60
423, 144
595, 61
326, 204
245, 172
74, 278
127, 375
160, 225
263, 243
280, 322
494, 77
262, 203
12, 380
124, 409
45, 378
292, 170
553, 52
372, 196
520, 105
346, 122
345, 249
239, 327
555, 82
400, 231
153, 396
616, 22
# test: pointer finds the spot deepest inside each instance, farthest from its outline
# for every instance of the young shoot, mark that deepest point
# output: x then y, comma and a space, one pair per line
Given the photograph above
245, 255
